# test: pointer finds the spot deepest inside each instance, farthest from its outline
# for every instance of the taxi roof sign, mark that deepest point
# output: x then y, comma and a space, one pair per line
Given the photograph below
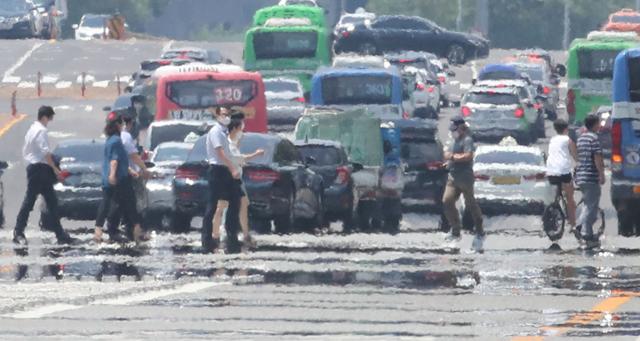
605, 35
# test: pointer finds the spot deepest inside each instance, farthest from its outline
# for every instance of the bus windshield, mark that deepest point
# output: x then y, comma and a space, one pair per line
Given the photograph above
596, 64
357, 90
273, 45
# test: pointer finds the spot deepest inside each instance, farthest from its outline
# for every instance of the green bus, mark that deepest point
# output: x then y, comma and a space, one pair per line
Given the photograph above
590, 71
288, 41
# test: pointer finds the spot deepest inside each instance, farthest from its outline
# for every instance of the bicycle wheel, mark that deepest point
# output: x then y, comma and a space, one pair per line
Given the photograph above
553, 220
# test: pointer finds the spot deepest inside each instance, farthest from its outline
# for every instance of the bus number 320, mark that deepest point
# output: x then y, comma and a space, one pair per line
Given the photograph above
228, 95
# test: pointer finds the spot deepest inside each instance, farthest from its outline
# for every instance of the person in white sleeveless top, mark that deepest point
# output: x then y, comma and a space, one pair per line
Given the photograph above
560, 164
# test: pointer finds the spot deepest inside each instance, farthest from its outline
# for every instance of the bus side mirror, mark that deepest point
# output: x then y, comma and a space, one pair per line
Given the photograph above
561, 70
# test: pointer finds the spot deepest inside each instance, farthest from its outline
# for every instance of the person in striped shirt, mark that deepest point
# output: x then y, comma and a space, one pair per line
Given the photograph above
590, 177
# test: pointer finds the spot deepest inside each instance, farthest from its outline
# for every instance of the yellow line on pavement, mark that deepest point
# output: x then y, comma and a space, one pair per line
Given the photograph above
10, 124
609, 305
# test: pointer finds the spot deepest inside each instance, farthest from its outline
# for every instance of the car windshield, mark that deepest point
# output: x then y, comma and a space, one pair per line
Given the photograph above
164, 154
596, 64
629, 19
509, 158
93, 21
361, 89
89, 152
273, 45
250, 143
491, 98
13, 6
323, 155
208, 93
280, 86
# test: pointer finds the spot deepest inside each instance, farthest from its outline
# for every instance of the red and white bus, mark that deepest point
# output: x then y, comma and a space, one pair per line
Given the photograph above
191, 91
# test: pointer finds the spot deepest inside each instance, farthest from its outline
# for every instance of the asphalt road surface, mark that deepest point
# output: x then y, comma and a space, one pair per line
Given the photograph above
328, 285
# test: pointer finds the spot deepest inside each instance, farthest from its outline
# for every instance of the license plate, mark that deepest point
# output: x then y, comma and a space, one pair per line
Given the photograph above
506, 180
636, 189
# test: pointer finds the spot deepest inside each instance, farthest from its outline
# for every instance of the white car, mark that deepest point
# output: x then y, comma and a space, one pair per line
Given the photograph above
450, 92
421, 98
311, 3
348, 21
360, 61
92, 26
509, 177
285, 102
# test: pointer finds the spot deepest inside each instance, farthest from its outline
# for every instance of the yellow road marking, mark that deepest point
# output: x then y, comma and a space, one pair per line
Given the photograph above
10, 124
609, 305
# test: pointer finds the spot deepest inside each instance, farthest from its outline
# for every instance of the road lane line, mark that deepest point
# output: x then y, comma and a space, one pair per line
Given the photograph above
189, 288
10, 124
167, 46
608, 305
8, 75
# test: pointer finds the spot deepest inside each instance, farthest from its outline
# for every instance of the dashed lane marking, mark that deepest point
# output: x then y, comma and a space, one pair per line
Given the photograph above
606, 306
4, 129
8, 75
167, 46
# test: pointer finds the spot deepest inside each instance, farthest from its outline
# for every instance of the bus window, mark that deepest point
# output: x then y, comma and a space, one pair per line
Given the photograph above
270, 45
634, 79
357, 90
596, 64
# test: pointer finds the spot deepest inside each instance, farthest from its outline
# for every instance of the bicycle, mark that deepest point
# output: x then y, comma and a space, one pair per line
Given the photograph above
554, 217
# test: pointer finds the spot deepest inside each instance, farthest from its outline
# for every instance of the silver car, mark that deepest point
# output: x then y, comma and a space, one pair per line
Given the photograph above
160, 199
285, 102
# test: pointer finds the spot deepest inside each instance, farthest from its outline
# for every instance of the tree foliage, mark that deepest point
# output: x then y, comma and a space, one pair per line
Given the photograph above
513, 23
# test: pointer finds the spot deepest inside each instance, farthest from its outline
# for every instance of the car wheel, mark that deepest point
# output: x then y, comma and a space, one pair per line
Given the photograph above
261, 226
1, 218
365, 214
284, 222
320, 216
445, 102
625, 222
180, 222
524, 138
367, 49
391, 225
456, 55
542, 133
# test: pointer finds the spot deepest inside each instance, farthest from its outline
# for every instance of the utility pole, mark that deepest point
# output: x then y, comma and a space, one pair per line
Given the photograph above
459, 17
567, 24
482, 17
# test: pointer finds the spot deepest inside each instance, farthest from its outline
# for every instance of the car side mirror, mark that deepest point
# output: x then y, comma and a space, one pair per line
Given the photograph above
561, 70
3, 165
75, 26
357, 167
451, 73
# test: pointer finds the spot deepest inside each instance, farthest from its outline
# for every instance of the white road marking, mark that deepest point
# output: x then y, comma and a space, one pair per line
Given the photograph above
474, 70
123, 79
63, 85
101, 84
26, 85
167, 46
60, 135
61, 107
87, 79
188, 288
465, 86
11, 79
9, 73
88, 108
50, 78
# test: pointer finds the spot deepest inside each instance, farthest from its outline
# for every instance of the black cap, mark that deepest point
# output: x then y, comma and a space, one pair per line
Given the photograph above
456, 122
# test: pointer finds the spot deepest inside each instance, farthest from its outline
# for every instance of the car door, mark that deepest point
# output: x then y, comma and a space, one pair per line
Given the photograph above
429, 37
389, 34
291, 166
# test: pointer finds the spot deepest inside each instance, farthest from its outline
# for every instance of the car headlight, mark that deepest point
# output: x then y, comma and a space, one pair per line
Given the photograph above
605, 115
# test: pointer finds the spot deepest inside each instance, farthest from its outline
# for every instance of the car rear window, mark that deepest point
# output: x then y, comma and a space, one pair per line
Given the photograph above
173, 133
324, 155
492, 98
509, 158
90, 152
360, 89
281, 86
418, 150
250, 144
171, 154
596, 64
497, 75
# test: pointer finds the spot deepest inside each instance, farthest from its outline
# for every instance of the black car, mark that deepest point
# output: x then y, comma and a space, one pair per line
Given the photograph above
80, 192
329, 159
404, 33
21, 19
3, 166
425, 177
280, 187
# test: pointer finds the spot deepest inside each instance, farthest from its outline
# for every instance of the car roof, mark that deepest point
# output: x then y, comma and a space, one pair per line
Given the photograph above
186, 49
410, 55
317, 142
502, 83
482, 149
173, 144
330, 71
281, 79
487, 89
498, 67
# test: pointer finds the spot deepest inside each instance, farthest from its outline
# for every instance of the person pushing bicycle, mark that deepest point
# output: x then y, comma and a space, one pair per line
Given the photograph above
562, 155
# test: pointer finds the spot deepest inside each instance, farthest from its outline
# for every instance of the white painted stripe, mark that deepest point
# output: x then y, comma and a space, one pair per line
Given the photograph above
26, 85
87, 79
63, 85
88, 108
9, 73
188, 288
465, 86
100, 84
11, 79
50, 79
167, 46
474, 70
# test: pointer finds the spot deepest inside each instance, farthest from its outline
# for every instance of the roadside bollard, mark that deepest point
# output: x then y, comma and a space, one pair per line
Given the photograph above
118, 84
83, 86
39, 84
14, 108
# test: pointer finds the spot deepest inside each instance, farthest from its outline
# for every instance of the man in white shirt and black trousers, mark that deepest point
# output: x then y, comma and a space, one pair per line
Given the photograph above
42, 174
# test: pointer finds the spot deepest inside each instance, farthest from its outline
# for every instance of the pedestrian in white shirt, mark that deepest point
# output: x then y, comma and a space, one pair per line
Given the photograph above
561, 157
42, 174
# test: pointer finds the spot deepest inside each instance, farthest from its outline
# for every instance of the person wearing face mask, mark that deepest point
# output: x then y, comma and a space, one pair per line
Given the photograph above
459, 158
239, 193
222, 173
